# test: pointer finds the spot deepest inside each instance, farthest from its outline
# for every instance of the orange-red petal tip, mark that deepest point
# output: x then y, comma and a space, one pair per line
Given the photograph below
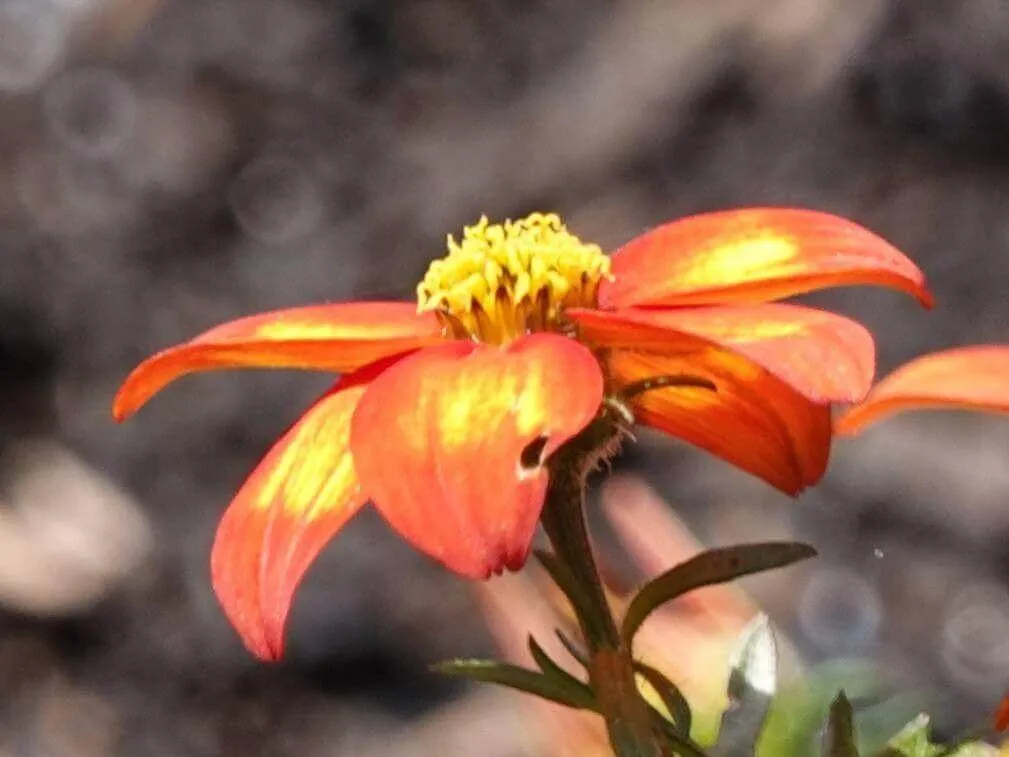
754, 420
130, 396
338, 338
301, 494
451, 443
968, 378
754, 255
1001, 718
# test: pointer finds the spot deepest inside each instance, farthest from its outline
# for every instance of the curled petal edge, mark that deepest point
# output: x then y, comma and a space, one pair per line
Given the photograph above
967, 378
295, 501
753, 255
339, 338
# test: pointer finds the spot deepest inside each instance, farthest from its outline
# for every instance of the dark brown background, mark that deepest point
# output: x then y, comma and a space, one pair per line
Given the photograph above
168, 164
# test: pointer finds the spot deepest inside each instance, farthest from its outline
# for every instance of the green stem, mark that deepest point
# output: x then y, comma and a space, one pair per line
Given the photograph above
563, 520
629, 719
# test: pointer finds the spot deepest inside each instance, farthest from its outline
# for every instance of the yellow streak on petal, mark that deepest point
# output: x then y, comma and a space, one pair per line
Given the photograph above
530, 412
756, 331
313, 470
740, 260
462, 419
487, 399
295, 330
307, 331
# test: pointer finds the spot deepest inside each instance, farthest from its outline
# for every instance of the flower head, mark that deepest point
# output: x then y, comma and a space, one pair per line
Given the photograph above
506, 280
449, 409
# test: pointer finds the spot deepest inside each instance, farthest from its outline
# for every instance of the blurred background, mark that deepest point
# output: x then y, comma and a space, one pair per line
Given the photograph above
169, 164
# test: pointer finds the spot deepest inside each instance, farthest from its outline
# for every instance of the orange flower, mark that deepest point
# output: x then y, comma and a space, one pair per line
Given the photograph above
967, 378
447, 410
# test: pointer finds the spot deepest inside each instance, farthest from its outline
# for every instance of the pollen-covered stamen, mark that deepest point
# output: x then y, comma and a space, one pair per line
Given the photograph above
505, 280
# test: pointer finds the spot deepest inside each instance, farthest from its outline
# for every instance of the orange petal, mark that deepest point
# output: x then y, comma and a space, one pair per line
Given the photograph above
969, 378
295, 501
336, 338
450, 444
1001, 719
754, 420
753, 255
826, 357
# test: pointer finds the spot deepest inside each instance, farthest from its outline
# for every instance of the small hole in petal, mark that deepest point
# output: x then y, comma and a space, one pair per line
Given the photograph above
531, 458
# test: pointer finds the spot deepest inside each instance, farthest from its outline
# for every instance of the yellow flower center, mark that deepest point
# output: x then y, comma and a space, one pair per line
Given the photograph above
505, 280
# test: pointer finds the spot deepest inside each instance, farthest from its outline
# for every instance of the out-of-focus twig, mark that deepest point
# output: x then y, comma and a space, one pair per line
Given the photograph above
68, 536
111, 27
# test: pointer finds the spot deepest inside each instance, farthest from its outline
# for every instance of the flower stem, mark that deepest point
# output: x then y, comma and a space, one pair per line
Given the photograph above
629, 719
563, 520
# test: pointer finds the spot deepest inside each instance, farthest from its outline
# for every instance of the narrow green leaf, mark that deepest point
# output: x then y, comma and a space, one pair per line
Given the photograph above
554, 671
514, 677
681, 745
753, 681
573, 649
670, 695
714, 566
797, 713
562, 577
839, 733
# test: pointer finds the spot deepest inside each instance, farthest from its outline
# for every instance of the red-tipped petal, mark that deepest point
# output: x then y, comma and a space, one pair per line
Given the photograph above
825, 357
338, 338
753, 420
753, 255
450, 442
295, 501
968, 378
1001, 719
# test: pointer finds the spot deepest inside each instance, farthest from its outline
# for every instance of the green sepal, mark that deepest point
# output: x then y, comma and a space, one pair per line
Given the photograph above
528, 681
672, 698
554, 671
714, 566
679, 744
573, 649
839, 732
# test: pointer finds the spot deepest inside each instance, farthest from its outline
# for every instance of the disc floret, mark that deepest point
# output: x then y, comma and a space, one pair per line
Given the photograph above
505, 280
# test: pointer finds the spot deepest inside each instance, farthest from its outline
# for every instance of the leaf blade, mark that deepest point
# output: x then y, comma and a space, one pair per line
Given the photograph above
521, 679
839, 733
711, 567
670, 695
555, 672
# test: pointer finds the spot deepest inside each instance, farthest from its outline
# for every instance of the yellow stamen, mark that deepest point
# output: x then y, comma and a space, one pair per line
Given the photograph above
505, 280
